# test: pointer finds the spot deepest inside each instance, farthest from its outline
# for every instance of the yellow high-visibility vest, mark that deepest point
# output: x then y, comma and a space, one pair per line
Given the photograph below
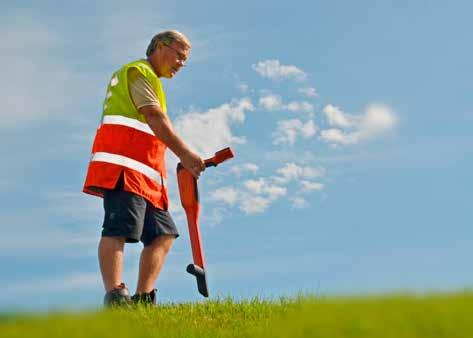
124, 143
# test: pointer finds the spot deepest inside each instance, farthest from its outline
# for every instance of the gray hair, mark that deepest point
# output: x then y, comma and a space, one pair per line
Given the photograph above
167, 37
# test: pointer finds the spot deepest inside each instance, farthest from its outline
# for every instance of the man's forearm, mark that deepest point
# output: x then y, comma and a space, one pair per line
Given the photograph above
162, 128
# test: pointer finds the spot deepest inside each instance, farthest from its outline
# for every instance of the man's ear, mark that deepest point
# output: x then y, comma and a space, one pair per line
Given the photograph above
160, 45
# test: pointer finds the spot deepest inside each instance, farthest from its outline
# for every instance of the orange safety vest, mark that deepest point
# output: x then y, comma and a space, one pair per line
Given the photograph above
124, 143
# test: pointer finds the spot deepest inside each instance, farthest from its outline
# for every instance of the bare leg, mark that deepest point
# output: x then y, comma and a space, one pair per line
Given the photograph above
111, 261
151, 262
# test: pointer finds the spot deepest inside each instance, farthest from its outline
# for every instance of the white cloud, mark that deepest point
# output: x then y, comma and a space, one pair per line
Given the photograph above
292, 171
238, 170
274, 102
255, 186
261, 186
303, 106
227, 195
338, 118
271, 102
288, 130
274, 191
255, 196
255, 204
377, 119
308, 91
336, 136
308, 186
308, 129
274, 70
209, 131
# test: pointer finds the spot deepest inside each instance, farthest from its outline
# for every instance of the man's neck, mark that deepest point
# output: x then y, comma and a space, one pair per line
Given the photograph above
153, 66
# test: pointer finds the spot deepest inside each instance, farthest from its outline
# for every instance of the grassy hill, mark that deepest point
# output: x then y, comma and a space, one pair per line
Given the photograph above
397, 316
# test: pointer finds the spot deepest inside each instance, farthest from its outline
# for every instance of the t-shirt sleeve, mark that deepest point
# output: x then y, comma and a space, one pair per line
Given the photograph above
141, 90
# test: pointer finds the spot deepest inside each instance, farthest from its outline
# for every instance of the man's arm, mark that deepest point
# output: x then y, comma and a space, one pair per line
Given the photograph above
162, 128
145, 100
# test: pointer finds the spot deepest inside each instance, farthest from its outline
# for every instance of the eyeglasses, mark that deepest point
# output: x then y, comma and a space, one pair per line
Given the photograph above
180, 55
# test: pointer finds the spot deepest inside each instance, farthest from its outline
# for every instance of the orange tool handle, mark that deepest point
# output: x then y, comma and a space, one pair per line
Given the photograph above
189, 194
219, 157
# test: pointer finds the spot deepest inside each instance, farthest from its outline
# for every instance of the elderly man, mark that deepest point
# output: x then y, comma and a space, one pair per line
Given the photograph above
127, 167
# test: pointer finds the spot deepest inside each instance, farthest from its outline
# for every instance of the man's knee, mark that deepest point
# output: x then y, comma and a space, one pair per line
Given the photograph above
115, 241
164, 242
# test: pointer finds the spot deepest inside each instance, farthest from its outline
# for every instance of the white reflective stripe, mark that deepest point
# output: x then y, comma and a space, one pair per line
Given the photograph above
114, 81
126, 121
129, 163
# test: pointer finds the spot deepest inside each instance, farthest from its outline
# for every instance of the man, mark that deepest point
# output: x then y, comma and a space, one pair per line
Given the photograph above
127, 167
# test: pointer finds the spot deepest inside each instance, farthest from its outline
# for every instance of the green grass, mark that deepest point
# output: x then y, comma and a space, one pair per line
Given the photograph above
397, 316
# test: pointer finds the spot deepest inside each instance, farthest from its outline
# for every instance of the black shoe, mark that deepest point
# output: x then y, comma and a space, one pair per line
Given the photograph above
145, 298
119, 296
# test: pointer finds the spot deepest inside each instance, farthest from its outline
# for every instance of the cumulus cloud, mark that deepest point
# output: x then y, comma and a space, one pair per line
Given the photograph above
338, 118
253, 196
378, 118
288, 130
302, 106
274, 102
308, 186
255, 204
274, 70
255, 186
210, 130
351, 129
262, 186
308, 91
275, 191
292, 171
227, 195
256, 195
271, 102
336, 136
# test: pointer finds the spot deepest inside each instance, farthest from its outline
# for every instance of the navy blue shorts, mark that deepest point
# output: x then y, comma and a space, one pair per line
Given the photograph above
133, 217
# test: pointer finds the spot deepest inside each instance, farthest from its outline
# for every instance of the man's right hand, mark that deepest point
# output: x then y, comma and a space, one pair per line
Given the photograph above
193, 163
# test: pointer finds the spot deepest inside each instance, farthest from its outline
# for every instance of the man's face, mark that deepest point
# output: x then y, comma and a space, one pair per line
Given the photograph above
170, 58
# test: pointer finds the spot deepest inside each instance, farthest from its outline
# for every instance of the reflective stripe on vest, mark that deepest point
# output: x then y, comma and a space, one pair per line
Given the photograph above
131, 164
128, 122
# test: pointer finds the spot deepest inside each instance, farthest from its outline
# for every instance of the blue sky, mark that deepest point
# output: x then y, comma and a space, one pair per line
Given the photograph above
351, 124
